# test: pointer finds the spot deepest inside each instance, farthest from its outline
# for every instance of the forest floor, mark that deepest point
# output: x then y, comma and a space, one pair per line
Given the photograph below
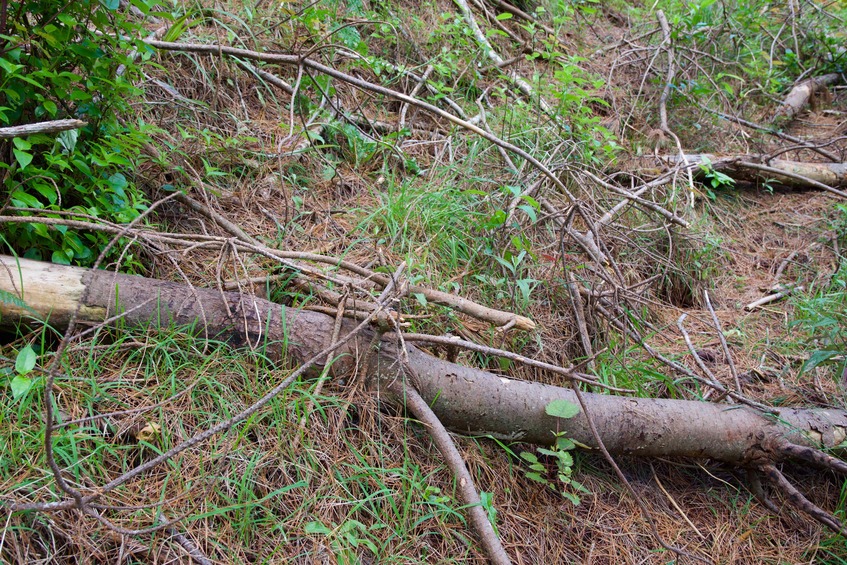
325, 474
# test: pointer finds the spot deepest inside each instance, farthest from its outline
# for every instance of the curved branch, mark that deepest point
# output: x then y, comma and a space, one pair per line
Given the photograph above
464, 482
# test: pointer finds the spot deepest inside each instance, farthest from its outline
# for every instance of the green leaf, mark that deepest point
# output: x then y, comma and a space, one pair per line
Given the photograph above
317, 528
504, 16
25, 361
579, 486
67, 139
47, 192
111, 4
496, 220
21, 198
572, 497
562, 409
61, 257
564, 444
816, 358
530, 457
529, 211
537, 478
420, 298
22, 157
7, 297
22, 144
9, 67
20, 386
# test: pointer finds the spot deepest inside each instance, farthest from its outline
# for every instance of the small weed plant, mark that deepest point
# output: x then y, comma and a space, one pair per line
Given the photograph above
559, 453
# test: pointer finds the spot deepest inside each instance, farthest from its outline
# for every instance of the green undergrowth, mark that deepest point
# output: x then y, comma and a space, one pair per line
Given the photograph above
74, 60
820, 315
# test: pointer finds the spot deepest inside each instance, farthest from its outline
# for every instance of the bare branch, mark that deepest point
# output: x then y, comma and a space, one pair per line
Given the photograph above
464, 481
53, 126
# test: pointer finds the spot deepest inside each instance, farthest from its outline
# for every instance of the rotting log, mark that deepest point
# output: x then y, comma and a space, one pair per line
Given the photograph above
466, 400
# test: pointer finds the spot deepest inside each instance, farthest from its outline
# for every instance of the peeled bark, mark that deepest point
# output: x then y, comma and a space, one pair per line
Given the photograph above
800, 95
53, 126
465, 399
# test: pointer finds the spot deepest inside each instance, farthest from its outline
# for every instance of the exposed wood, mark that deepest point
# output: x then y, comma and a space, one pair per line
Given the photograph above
800, 95
772, 297
465, 399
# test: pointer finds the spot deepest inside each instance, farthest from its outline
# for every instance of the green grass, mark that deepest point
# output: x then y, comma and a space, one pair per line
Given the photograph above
352, 482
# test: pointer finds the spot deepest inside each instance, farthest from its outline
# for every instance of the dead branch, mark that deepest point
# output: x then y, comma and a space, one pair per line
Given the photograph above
453, 341
697, 358
465, 399
492, 54
722, 339
824, 176
53, 126
779, 293
667, 42
817, 148
464, 481
189, 546
215, 217
586, 241
499, 406
800, 502
515, 11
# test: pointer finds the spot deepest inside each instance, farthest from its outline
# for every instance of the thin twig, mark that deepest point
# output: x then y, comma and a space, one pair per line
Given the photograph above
641, 505
492, 54
772, 131
189, 546
722, 339
200, 437
586, 241
663, 100
579, 312
405, 107
452, 341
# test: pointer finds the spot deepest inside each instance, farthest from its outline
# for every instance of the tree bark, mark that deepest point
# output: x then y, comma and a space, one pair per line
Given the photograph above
465, 399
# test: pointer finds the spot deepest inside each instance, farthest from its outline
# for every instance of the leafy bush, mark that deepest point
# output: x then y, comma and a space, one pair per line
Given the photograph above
71, 60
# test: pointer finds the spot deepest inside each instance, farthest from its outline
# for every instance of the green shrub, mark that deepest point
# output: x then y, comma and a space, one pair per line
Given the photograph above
61, 60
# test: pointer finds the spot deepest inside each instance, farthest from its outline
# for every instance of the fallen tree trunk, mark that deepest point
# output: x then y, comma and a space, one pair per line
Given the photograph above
758, 168
467, 400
